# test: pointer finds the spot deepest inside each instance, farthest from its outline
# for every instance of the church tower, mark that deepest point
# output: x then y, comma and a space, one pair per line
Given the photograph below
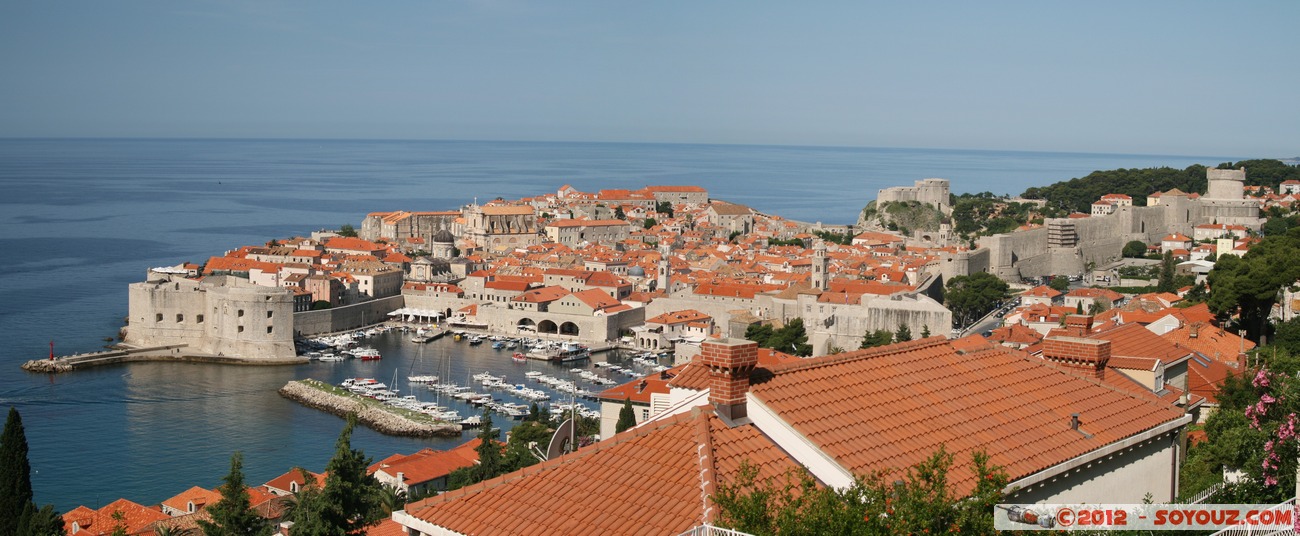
820, 266
665, 268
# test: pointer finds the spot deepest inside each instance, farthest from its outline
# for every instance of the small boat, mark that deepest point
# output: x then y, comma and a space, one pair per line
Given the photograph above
473, 421
477, 339
425, 379
518, 357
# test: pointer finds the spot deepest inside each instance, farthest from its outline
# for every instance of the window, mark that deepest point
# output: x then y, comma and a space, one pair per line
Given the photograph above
268, 329
269, 314
198, 319
241, 312
241, 329
180, 318
157, 317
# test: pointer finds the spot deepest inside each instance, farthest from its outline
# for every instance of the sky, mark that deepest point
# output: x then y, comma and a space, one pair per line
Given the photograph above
1150, 77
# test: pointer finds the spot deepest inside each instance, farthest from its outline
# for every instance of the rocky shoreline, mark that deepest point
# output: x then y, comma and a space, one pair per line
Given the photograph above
313, 394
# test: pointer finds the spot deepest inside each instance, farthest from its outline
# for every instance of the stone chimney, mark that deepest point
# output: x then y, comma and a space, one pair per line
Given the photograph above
1076, 352
1078, 325
729, 361
1194, 330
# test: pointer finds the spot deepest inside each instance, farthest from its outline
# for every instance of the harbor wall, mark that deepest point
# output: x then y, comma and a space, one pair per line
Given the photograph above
309, 323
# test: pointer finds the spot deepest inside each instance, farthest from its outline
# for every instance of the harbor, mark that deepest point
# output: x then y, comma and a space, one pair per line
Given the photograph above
456, 375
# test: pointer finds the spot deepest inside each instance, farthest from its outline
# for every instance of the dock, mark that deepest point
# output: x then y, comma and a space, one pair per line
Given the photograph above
175, 352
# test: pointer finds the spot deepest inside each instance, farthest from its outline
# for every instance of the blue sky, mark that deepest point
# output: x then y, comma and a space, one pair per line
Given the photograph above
1155, 77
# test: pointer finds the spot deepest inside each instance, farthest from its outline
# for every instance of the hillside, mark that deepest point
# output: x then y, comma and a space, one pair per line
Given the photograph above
1079, 193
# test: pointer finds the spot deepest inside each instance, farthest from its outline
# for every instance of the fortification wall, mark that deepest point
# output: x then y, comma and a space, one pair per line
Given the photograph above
224, 316
308, 323
850, 323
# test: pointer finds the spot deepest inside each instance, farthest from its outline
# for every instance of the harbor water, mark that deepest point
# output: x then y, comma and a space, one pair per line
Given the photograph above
84, 218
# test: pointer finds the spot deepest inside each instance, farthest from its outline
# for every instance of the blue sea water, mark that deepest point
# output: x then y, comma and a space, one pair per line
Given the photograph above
83, 218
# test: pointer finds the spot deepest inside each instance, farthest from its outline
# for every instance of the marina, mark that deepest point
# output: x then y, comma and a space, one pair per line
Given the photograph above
456, 378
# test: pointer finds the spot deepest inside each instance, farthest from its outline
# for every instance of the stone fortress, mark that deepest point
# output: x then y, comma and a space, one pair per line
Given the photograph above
1070, 245
933, 192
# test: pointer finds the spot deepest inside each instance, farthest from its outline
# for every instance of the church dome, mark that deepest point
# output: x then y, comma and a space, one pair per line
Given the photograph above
443, 236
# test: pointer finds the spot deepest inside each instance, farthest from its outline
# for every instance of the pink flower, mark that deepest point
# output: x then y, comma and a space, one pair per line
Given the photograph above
1261, 378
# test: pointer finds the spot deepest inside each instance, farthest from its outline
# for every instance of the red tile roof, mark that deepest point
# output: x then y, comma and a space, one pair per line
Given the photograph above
653, 479
136, 518
428, 464
197, 495
889, 408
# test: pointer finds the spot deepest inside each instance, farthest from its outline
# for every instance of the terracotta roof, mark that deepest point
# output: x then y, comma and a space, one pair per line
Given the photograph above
293, 476
1133, 340
889, 408
197, 495
679, 317
652, 479
1042, 291
695, 376
387, 527
507, 210
428, 464
588, 223
136, 518
1211, 341
640, 389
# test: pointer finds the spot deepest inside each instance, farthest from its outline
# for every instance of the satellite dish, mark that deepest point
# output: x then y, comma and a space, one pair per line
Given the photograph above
561, 441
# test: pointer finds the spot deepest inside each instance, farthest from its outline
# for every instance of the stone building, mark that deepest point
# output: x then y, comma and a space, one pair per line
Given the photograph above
932, 192
496, 228
573, 233
400, 225
223, 315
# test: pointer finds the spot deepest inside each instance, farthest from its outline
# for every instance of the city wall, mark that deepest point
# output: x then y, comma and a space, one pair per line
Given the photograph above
309, 323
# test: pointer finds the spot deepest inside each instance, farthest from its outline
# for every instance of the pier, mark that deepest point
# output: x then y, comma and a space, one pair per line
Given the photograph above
175, 352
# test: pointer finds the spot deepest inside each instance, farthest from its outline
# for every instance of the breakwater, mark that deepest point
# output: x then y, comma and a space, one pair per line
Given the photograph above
172, 353
385, 420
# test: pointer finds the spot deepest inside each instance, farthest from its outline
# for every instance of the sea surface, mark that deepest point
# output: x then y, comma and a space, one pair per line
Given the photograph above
81, 219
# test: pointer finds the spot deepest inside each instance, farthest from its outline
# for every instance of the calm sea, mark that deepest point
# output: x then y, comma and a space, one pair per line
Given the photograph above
83, 218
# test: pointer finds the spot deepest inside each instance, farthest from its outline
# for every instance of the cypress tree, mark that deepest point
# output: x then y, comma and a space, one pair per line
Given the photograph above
15, 473
352, 494
233, 515
626, 417
490, 463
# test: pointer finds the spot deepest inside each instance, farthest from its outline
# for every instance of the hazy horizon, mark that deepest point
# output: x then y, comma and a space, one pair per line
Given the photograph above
1158, 78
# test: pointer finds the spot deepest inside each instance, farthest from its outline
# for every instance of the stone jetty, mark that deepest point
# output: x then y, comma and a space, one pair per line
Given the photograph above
381, 418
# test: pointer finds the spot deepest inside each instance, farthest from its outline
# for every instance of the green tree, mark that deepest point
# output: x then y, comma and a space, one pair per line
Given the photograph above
44, 521
626, 417
903, 334
311, 513
524, 437
15, 473
321, 304
1166, 281
347, 230
664, 207
791, 338
1250, 285
233, 515
649, 222
619, 214
925, 332
759, 333
970, 297
1135, 249
880, 337
1059, 283
353, 494
919, 503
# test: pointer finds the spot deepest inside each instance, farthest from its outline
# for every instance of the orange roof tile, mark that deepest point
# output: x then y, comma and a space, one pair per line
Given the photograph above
135, 518
895, 405
652, 479
199, 496
1211, 341
428, 464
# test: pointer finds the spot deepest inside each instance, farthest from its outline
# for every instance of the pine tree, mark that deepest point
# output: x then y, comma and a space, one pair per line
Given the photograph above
903, 334
489, 451
1166, 281
44, 521
626, 417
353, 495
233, 515
15, 473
